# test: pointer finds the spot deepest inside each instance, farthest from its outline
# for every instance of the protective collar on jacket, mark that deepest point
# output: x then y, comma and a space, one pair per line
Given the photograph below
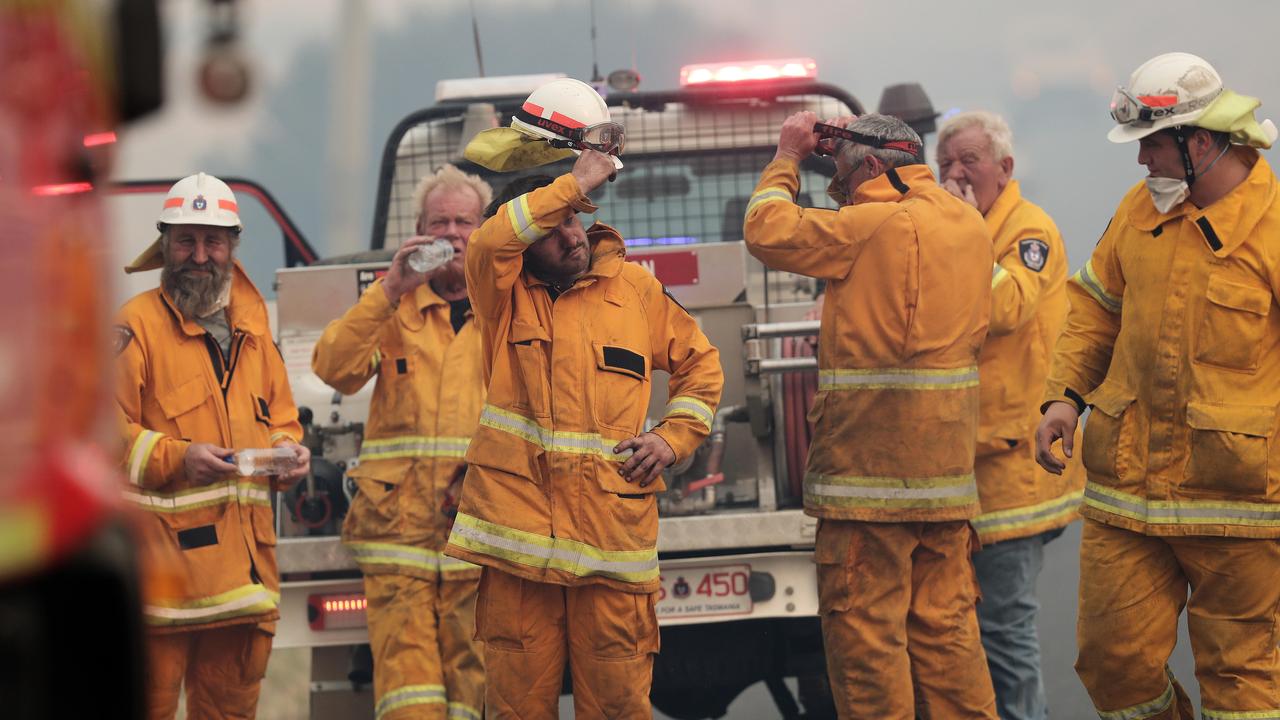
608, 252
1226, 223
1003, 206
893, 184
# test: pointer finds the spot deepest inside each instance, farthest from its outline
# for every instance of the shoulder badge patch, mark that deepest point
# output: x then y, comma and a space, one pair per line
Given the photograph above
1034, 253
121, 336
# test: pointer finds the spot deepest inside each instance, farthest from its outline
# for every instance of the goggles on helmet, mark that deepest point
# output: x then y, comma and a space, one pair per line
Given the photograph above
606, 137
839, 133
1126, 108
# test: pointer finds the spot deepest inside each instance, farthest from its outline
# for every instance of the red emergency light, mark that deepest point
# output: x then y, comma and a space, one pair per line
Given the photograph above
748, 71
61, 189
96, 139
337, 612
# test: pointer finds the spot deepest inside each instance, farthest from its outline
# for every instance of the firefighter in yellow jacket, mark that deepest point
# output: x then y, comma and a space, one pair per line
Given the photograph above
1023, 506
415, 333
561, 504
890, 470
200, 378
1173, 339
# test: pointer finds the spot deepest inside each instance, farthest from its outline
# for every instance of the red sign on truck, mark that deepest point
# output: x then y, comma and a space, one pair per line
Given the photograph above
671, 268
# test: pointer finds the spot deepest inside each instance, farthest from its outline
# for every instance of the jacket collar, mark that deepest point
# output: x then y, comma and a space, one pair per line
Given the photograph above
894, 184
1227, 223
608, 252
247, 311
414, 314
1002, 208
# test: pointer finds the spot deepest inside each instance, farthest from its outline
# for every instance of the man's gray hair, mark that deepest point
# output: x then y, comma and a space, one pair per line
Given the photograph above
448, 177
885, 127
992, 125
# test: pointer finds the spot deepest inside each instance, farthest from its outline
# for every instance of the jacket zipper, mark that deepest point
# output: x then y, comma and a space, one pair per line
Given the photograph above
225, 370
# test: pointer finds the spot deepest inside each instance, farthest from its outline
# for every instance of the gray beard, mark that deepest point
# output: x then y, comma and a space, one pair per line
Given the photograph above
196, 297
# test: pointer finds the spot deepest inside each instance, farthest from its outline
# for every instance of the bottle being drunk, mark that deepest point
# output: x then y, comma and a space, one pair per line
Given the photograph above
264, 461
431, 256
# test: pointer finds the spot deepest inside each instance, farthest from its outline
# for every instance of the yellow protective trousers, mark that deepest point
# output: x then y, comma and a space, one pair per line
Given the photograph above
1133, 587
222, 669
899, 621
426, 662
530, 629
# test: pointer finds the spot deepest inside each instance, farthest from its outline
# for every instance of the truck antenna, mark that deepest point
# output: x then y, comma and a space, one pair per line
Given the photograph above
475, 34
595, 65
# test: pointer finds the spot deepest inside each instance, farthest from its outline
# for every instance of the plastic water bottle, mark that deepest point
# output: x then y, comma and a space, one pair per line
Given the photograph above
264, 461
431, 256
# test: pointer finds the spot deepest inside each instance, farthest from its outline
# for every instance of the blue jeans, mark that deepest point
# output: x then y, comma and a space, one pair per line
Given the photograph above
1007, 573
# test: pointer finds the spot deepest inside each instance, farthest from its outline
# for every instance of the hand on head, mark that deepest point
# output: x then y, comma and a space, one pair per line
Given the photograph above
592, 170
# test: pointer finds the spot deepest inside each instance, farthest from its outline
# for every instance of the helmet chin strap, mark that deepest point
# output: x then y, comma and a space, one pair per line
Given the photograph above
1180, 135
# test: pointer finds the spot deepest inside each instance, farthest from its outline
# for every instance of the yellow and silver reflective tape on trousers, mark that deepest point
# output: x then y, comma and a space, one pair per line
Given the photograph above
1181, 512
409, 695
540, 551
1050, 511
579, 443
691, 406
254, 599
1086, 278
1210, 714
1145, 710
522, 220
767, 195
413, 446
374, 553
899, 378
888, 492
243, 490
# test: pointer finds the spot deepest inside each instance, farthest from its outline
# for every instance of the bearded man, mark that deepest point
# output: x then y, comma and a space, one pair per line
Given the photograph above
199, 379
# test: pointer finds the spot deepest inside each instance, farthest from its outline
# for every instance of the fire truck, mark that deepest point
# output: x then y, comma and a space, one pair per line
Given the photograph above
738, 602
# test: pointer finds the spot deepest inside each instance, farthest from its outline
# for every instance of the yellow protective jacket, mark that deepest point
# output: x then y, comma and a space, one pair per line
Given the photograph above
425, 407
1028, 306
569, 380
1174, 339
216, 542
908, 268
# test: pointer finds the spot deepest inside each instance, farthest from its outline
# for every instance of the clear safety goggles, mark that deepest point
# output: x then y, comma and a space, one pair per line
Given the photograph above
607, 137
1126, 108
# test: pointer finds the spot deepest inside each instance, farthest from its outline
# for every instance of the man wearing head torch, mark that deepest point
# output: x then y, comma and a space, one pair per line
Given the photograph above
560, 504
1173, 338
890, 471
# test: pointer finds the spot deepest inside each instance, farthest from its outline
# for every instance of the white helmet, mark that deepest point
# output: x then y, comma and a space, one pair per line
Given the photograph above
1169, 90
570, 113
200, 199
